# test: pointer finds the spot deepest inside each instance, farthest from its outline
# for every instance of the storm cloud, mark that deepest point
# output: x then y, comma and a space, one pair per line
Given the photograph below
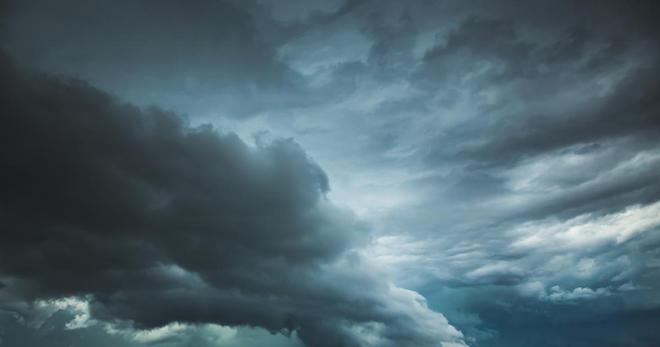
158, 222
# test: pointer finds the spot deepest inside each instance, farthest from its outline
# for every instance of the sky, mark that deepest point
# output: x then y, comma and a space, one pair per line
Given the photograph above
338, 173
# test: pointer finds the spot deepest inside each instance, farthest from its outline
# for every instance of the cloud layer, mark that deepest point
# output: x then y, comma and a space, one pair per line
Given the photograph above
504, 156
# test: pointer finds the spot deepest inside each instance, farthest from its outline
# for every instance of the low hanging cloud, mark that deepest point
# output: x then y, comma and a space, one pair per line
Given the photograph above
155, 222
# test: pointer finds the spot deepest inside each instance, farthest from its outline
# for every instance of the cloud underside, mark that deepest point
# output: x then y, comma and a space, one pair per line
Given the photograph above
156, 222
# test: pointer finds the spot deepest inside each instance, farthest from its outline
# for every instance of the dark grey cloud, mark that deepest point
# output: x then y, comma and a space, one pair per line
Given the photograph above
498, 53
158, 222
477, 39
630, 110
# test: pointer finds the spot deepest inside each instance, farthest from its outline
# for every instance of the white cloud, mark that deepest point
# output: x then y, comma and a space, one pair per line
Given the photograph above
557, 294
78, 306
159, 334
587, 230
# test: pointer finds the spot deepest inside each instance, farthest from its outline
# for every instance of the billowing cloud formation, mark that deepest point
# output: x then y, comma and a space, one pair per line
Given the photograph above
156, 222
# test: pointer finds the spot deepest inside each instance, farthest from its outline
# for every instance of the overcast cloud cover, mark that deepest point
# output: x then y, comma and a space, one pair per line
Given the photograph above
329, 173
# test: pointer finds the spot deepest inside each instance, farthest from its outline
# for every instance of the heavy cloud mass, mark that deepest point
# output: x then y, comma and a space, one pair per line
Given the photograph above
157, 223
330, 173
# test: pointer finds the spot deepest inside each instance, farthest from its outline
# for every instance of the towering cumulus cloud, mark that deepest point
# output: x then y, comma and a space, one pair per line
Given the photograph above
155, 223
